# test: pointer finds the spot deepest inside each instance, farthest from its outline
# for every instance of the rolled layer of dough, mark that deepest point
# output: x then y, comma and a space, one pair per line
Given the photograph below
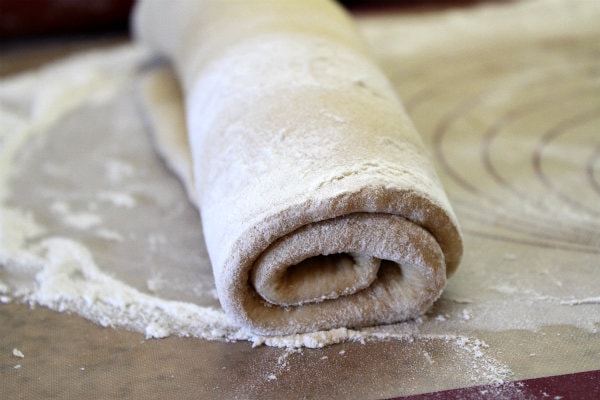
319, 206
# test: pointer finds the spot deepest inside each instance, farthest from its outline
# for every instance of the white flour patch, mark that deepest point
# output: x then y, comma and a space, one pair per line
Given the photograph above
282, 364
16, 227
18, 353
82, 220
118, 199
117, 171
110, 235
76, 219
578, 302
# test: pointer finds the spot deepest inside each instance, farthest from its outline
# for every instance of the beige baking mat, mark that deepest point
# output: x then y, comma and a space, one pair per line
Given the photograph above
507, 98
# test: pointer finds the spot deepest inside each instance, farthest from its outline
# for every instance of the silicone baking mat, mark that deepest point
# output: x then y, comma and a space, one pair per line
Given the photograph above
506, 96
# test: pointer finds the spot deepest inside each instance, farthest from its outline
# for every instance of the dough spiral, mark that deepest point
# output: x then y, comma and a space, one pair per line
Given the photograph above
320, 207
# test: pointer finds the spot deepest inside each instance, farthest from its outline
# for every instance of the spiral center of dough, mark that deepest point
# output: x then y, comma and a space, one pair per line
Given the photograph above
319, 278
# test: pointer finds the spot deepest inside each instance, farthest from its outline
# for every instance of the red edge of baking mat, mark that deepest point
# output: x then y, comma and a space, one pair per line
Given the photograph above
580, 386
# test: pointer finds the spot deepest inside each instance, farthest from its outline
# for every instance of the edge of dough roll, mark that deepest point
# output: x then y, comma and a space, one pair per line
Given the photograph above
319, 205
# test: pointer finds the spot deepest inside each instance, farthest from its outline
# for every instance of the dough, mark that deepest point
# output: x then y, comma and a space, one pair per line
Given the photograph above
319, 205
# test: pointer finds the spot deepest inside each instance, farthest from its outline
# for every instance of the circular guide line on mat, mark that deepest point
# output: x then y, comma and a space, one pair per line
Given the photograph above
492, 214
562, 129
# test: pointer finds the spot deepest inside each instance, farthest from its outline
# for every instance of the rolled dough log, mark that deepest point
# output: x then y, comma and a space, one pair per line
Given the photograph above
319, 206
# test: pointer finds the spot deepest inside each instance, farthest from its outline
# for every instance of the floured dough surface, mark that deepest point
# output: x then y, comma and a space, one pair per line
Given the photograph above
321, 261
301, 150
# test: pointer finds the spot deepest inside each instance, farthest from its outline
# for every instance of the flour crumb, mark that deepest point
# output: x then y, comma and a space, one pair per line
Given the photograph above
77, 220
156, 283
324, 358
460, 300
156, 331
342, 352
111, 235
505, 289
83, 221
578, 302
4, 297
17, 366
59, 207
466, 315
487, 367
116, 171
428, 357
118, 199
282, 364
213, 293
283, 360
17, 353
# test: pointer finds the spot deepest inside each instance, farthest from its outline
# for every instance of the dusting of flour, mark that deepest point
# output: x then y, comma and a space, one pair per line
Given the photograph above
70, 252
